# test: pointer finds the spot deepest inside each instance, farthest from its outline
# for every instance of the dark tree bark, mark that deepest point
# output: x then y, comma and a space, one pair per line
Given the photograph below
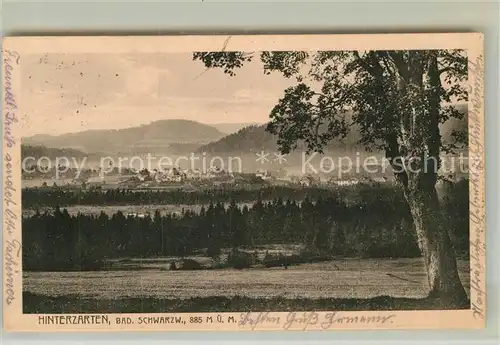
420, 143
435, 244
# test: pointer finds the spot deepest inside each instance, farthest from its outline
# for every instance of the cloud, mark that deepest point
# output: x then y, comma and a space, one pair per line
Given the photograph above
73, 92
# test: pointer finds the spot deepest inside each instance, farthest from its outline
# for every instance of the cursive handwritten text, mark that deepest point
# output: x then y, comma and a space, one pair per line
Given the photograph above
254, 319
12, 246
12, 253
11, 59
476, 193
310, 320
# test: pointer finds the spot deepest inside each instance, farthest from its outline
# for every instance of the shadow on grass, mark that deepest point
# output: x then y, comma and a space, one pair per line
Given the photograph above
40, 304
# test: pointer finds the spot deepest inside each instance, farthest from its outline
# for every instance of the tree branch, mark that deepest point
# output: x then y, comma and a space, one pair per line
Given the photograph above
388, 67
363, 64
339, 101
400, 63
448, 69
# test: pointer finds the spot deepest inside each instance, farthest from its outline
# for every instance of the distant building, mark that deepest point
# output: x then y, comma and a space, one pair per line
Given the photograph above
382, 179
309, 181
79, 182
263, 174
348, 182
345, 182
167, 175
135, 214
95, 181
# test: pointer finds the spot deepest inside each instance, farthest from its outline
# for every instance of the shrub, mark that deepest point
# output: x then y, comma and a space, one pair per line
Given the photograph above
185, 264
239, 259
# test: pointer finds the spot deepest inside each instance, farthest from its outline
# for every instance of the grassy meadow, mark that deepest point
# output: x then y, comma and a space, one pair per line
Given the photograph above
346, 284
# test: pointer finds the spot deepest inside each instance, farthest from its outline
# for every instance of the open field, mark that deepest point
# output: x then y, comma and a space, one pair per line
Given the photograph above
348, 278
125, 209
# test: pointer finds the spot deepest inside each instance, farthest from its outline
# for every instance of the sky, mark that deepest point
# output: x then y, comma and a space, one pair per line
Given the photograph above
63, 93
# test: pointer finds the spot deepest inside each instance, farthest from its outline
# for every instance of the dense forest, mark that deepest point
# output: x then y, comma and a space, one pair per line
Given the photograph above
254, 138
377, 224
40, 197
37, 151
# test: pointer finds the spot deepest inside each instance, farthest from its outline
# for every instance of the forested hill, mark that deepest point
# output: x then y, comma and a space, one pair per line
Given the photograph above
37, 151
255, 138
229, 128
156, 136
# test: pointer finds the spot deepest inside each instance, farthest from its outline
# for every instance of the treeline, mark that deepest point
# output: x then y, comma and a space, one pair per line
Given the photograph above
37, 151
52, 197
377, 225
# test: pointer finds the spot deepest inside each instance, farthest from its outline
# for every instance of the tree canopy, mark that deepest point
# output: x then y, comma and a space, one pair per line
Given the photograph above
338, 89
396, 99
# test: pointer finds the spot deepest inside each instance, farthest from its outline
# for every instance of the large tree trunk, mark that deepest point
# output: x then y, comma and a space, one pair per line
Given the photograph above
419, 139
437, 250
414, 144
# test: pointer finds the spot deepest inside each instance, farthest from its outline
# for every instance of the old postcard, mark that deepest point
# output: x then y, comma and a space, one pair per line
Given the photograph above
292, 182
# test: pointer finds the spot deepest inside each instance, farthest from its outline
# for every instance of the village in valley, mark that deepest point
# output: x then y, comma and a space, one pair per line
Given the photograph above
176, 177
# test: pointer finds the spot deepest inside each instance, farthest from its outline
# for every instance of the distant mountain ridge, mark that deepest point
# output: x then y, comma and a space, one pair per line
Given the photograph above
163, 135
229, 128
255, 138
185, 136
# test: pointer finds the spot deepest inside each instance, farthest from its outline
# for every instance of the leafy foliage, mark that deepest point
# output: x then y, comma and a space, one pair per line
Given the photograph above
228, 61
398, 97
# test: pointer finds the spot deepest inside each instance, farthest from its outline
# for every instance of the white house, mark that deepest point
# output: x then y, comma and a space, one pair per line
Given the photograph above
382, 179
348, 182
135, 214
95, 181
263, 174
308, 181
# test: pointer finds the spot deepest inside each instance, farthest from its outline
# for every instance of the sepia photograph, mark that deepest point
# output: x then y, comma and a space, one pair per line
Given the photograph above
245, 178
